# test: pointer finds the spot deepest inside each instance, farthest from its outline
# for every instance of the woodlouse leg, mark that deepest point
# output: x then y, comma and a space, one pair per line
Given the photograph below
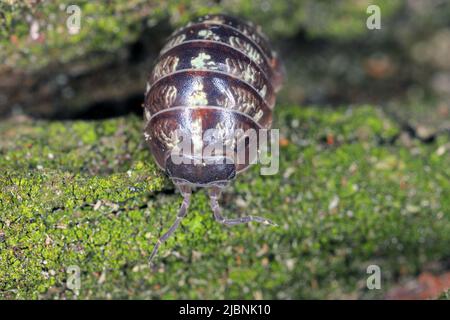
214, 196
181, 214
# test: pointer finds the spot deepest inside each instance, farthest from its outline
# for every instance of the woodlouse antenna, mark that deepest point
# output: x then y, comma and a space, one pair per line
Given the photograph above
182, 212
214, 194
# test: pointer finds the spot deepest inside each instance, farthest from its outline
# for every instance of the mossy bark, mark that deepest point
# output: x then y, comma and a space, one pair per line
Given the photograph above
352, 190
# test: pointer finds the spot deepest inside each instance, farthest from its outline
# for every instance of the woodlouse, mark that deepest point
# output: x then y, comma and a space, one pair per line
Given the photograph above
220, 73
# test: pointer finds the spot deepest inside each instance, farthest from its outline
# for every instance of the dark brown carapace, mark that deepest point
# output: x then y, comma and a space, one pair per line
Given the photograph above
217, 73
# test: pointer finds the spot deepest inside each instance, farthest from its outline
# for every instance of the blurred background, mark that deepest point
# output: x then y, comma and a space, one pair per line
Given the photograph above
331, 57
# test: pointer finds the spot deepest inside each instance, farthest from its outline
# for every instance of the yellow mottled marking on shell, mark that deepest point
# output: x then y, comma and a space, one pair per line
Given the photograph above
173, 42
255, 36
244, 71
202, 60
228, 101
263, 91
258, 115
248, 73
245, 47
147, 114
170, 94
167, 134
240, 100
170, 140
208, 35
165, 67
198, 96
164, 98
245, 101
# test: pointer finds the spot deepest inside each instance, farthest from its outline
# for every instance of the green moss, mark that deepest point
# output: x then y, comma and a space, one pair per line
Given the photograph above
348, 194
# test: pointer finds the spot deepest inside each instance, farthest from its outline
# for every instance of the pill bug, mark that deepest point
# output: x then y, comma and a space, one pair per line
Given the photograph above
217, 72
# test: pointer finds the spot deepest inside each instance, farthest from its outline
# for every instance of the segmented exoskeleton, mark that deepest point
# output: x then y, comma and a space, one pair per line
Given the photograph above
217, 74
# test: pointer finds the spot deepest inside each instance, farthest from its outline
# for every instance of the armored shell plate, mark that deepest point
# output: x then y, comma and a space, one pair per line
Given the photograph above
160, 131
205, 55
226, 35
244, 31
201, 88
248, 29
254, 33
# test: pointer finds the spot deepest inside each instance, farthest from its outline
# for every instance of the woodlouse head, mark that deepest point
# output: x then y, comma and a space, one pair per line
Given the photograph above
216, 171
